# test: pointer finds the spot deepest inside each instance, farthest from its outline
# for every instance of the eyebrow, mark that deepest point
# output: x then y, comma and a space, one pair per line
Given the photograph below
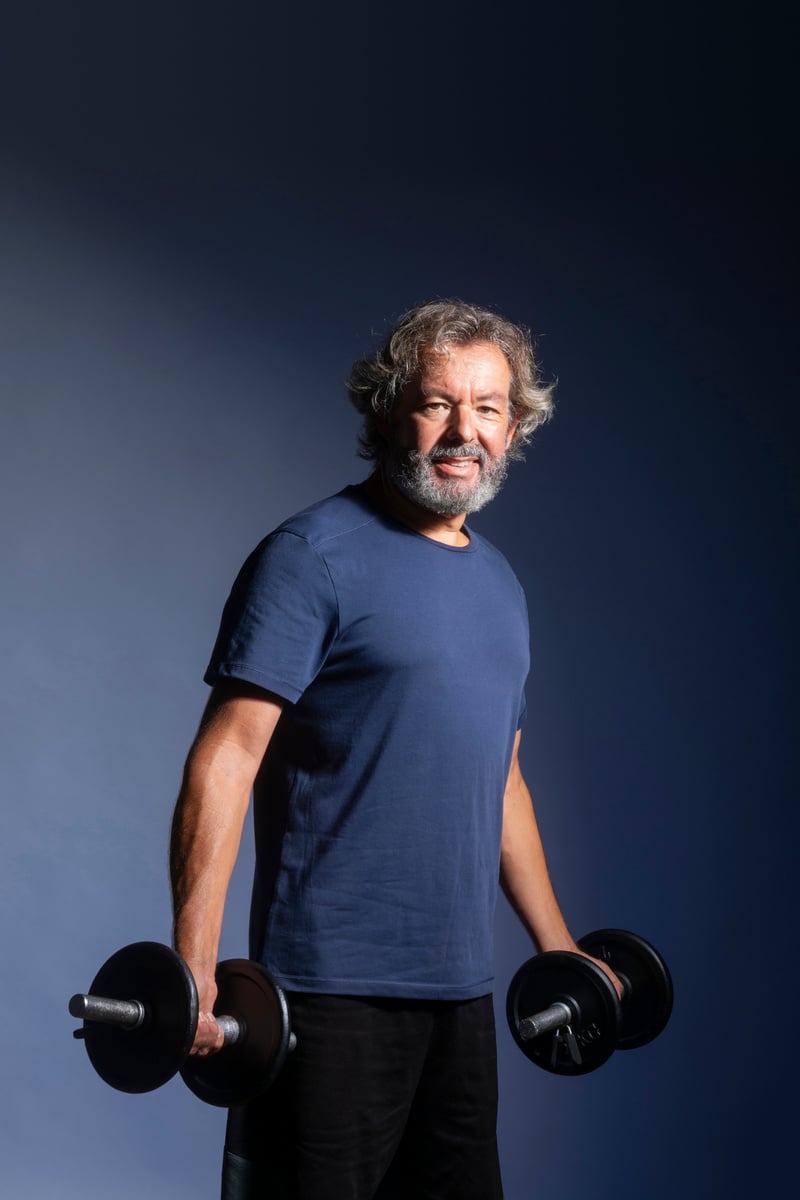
427, 392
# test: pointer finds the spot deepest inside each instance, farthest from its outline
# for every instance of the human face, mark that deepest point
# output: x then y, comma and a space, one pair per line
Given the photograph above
450, 430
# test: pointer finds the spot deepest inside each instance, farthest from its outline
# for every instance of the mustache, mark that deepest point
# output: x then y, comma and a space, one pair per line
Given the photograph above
467, 450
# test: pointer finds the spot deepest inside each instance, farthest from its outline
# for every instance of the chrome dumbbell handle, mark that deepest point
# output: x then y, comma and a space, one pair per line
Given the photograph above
131, 1014
554, 1016
124, 1014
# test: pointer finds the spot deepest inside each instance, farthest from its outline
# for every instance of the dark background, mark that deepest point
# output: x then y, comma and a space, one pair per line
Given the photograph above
206, 214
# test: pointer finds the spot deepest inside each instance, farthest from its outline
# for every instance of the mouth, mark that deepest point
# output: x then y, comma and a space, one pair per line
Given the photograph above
457, 468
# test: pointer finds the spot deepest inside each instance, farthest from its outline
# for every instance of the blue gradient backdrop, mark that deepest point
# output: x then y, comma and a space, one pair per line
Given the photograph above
204, 217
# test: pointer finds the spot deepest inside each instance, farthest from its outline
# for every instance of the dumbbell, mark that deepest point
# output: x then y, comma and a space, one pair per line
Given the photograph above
140, 1019
564, 1013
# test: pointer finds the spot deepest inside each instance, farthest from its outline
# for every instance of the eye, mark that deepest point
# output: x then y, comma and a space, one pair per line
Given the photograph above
435, 407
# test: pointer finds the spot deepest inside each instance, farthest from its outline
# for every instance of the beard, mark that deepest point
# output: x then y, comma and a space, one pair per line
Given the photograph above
412, 473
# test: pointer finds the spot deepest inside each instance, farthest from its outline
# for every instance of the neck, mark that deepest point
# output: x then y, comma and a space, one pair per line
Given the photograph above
448, 530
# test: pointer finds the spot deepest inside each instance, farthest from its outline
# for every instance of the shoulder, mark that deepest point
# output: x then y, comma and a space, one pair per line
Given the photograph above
304, 546
335, 517
495, 561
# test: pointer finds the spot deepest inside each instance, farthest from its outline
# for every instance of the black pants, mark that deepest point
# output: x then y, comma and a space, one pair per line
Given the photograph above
382, 1099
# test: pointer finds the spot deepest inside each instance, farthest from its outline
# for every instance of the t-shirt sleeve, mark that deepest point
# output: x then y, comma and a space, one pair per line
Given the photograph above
279, 620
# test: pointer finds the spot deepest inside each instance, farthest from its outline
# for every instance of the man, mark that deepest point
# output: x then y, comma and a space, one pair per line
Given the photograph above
368, 685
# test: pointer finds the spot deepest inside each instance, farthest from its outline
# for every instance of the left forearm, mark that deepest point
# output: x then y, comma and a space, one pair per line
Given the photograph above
524, 874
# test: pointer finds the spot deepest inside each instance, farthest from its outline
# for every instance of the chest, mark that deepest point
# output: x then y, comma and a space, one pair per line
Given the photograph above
431, 614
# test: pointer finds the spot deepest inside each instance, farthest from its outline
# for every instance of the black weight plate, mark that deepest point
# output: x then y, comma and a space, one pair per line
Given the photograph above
243, 1070
140, 1060
647, 1008
573, 980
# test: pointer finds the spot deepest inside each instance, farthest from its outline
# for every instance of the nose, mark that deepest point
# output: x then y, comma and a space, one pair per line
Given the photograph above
461, 426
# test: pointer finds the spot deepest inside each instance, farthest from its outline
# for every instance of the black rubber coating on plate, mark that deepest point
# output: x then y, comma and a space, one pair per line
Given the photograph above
589, 993
142, 1059
243, 1070
646, 1010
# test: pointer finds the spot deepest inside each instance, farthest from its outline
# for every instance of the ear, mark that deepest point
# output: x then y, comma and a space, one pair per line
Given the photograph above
513, 426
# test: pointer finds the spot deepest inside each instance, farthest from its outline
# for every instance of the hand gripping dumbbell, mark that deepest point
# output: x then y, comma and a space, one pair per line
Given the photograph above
564, 1013
140, 1018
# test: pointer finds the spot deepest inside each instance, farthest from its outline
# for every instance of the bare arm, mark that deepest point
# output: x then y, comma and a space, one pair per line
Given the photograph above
234, 733
524, 876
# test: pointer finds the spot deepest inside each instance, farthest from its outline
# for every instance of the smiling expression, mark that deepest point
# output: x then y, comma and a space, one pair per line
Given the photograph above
451, 428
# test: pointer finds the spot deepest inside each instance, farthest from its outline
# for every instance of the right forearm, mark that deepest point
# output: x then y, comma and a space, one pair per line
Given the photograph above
206, 832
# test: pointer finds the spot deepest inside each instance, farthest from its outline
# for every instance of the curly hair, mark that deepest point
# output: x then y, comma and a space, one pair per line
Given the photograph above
376, 382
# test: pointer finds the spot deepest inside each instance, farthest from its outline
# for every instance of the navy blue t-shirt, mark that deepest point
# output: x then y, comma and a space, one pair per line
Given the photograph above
378, 806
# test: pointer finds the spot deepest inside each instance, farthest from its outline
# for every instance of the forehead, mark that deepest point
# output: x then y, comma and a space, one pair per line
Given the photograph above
476, 366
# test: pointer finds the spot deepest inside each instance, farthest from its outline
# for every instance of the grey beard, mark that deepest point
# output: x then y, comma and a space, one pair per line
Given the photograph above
410, 471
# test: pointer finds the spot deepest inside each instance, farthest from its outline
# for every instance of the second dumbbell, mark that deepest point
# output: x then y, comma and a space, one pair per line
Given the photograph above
563, 1010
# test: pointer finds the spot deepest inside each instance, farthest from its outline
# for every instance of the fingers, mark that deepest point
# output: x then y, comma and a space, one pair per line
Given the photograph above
611, 976
209, 1037
598, 962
